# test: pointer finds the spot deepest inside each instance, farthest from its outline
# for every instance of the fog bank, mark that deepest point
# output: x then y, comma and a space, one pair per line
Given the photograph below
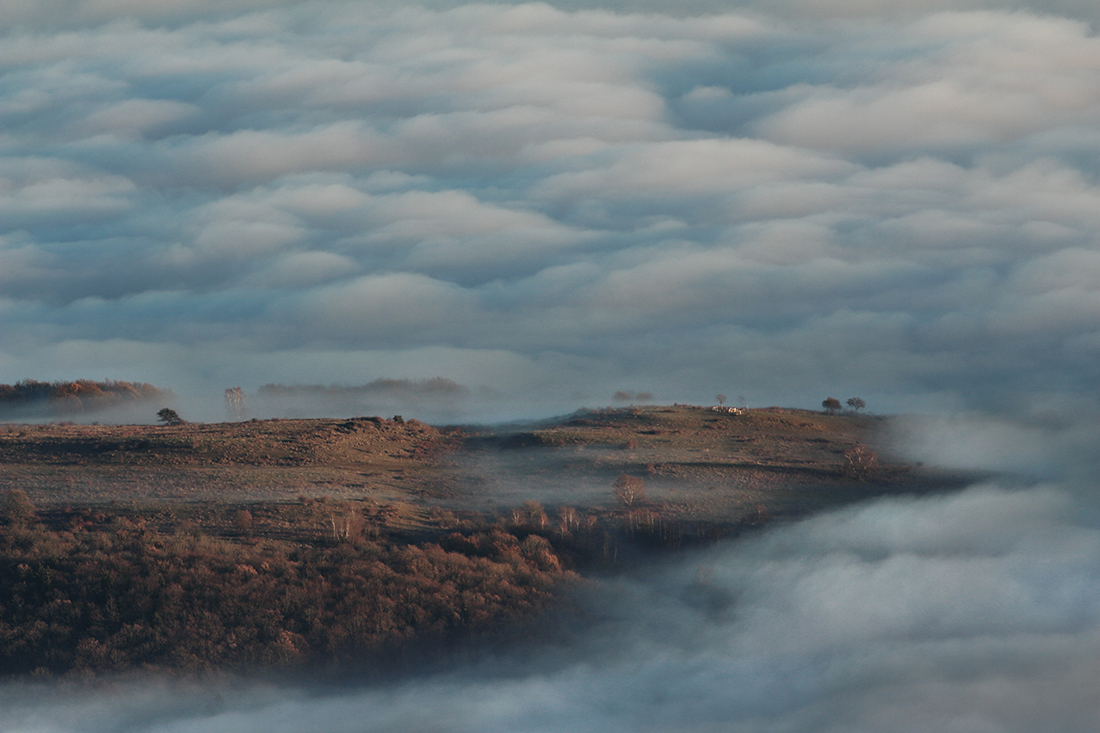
968, 612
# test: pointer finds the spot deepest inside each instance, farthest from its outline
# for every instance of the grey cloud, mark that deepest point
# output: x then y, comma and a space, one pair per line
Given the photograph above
135, 117
299, 269
394, 308
996, 77
612, 186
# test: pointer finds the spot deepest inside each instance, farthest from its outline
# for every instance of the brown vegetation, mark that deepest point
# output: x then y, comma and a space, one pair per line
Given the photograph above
71, 398
288, 542
114, 592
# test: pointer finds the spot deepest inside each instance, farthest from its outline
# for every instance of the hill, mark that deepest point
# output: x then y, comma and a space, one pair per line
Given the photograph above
328, 542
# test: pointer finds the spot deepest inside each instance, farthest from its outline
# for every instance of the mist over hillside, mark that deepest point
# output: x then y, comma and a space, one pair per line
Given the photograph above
969, 610
434, 399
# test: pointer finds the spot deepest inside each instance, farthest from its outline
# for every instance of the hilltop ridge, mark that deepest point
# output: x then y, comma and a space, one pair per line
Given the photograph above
282, 543
677, 449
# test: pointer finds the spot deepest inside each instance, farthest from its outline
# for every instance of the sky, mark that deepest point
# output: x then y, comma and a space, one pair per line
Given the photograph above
547, 203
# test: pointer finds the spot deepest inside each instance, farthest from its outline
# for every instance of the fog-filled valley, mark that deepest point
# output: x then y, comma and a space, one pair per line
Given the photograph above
965, 612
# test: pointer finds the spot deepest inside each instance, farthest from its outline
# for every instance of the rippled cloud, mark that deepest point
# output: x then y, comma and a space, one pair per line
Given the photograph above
897, 200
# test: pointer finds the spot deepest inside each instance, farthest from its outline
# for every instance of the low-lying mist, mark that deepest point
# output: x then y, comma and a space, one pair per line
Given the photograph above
976, 610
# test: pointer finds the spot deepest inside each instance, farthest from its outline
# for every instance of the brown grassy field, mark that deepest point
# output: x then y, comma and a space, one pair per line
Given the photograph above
697, 464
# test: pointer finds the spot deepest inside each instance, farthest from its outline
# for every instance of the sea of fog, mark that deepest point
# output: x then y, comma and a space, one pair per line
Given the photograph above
970, 611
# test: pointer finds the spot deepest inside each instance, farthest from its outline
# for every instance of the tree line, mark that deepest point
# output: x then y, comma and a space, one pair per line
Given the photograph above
75, 396
110, 593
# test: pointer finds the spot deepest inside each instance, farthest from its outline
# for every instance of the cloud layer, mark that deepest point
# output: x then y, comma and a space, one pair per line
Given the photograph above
851, 198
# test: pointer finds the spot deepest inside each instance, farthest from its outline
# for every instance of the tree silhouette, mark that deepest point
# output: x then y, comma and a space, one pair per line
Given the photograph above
831, 405
856, 403
169, 416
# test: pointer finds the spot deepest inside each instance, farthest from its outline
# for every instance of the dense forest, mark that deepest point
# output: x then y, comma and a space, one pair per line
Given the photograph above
114, 592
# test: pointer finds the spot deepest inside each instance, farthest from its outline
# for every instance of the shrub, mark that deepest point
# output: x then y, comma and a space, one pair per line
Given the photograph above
18, 508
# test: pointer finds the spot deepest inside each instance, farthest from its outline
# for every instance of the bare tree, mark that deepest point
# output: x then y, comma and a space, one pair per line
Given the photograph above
856, 403
534, 514
629, 489
721, 398
569, 518
234, 404
862, 461
346, 527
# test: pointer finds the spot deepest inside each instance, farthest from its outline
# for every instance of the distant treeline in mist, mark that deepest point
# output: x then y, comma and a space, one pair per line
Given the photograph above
435, 387
110, 592
33, 398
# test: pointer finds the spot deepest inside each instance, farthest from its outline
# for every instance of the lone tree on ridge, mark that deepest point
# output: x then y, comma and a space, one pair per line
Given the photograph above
169, 416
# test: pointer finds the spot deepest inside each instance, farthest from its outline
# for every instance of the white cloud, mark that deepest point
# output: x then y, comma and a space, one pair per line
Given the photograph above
22, 263
995, 77
250, 155
302, 269
399, 307
138, 116
596, 183
679, 169
44, 199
